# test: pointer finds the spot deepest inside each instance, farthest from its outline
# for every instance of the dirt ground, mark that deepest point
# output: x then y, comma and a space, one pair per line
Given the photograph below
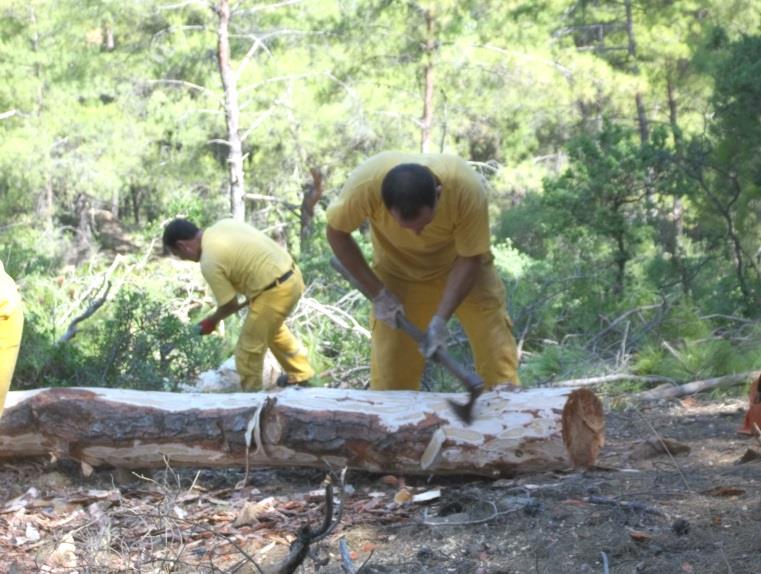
641, 511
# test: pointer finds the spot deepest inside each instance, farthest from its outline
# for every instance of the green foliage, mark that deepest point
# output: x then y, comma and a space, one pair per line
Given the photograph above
118, 106
556, 362
27, 251
604, 195
696, 359
143, 346
136, 342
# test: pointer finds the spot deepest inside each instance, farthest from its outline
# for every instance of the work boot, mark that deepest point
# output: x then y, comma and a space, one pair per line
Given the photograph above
282, 382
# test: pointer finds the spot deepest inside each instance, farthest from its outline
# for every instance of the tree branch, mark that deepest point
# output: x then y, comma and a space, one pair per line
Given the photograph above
72, 331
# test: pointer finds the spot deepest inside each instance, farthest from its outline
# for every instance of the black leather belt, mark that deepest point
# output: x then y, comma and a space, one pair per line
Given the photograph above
282, 279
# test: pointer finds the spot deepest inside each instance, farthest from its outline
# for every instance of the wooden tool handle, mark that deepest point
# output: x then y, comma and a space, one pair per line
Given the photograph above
470, 379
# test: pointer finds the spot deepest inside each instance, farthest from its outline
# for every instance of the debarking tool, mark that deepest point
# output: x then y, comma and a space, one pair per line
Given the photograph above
473, 383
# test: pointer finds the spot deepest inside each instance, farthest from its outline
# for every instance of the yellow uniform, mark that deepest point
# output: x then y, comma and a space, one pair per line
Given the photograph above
11, 325
415, 267
237, 258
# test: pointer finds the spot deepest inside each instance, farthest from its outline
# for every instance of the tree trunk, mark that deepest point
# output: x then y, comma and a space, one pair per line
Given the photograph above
232, 112
401, 432
642, 121
676, 132
429, 49
311, 194
45, 207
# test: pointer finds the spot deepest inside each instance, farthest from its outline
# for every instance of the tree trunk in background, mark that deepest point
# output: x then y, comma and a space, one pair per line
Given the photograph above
677, 209
429, 50
644, 127
44, 206
401, 432
676, 132
311, 194
232, 113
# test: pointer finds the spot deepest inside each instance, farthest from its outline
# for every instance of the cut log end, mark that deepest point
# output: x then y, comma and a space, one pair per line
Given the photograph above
583, 427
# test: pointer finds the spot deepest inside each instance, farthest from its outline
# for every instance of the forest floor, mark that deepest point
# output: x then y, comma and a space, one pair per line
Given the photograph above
641, 510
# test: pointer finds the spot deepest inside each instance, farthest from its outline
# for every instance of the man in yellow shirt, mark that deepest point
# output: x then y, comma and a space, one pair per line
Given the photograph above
11, 326
429, 226
237, 259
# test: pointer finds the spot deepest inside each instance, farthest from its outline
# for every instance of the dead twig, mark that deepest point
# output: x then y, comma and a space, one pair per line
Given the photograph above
726, 560
444, 522
626, 505
593, 341
305, 537
666, 449
347, 565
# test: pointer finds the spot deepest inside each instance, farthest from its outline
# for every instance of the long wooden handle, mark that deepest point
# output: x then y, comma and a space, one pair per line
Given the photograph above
471, 380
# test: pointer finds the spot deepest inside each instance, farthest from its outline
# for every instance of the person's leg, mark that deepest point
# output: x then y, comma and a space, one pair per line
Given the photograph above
11, 327
274, 306
291, 355
396, 362
485, 320
250, 350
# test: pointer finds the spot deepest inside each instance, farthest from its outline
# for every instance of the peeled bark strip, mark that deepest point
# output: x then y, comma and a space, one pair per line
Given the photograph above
399, 432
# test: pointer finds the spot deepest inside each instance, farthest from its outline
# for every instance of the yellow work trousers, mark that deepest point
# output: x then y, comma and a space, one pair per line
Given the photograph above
265, 328
11, 325
396, 362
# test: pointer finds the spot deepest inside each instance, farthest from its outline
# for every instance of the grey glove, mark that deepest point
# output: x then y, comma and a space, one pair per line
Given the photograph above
387, 307
435, 337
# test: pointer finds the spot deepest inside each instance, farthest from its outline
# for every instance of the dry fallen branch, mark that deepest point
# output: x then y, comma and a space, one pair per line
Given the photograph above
331, 312
306, 536
670, 392
614, 378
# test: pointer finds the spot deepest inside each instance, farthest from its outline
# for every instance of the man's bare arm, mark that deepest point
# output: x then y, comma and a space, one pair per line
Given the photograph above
348, 253
222, 312
461, 279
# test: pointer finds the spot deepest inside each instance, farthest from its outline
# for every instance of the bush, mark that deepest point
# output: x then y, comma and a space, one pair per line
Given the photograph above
137, 344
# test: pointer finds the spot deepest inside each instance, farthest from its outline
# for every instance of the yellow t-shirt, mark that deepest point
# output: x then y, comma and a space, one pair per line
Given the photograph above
9, 296
460, 226
237, 258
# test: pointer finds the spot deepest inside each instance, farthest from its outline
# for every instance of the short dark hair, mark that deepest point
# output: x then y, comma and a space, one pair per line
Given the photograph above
408, 188
178, 230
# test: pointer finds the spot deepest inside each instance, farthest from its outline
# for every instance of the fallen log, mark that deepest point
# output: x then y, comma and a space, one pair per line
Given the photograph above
401, 432
614, 378
672, 392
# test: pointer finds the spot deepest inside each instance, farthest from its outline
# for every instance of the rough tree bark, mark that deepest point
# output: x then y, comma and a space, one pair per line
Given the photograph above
398, 432
232, 112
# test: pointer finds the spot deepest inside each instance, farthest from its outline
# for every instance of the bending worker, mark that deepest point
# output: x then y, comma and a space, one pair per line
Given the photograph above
429, 225
236, 258
11, 326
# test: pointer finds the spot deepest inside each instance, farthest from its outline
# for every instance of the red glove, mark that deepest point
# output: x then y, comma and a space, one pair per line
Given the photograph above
206, 326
